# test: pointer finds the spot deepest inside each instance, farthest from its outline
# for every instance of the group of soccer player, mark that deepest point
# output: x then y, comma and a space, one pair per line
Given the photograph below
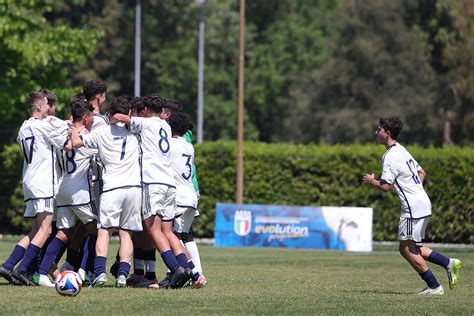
86, 177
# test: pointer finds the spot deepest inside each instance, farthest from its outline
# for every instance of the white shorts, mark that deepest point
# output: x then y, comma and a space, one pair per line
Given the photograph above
159, 200
68, 215
34, 207
182, 224
412, 229
120, 208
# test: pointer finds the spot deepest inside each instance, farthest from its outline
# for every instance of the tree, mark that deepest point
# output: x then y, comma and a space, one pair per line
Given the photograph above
36, 55
377, 66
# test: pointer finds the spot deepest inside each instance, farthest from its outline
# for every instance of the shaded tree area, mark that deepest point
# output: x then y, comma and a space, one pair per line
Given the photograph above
316, 71
35, 54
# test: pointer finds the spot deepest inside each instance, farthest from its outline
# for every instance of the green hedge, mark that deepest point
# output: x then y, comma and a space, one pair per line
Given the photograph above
332, 176
304, 175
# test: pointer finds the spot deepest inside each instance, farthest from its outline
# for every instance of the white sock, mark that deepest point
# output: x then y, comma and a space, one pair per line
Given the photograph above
192, 249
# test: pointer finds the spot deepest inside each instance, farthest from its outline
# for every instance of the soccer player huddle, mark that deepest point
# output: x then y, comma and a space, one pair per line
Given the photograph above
88, 176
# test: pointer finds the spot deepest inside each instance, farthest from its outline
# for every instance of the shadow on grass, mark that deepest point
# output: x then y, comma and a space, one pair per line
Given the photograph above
381, 292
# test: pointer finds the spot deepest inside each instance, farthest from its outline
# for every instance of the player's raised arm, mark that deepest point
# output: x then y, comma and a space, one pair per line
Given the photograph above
122, 118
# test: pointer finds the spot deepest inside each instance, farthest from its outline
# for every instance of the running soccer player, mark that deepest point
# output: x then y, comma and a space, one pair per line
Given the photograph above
73, 198
120, 206
182, 160
37, 139
158, 185
401, 170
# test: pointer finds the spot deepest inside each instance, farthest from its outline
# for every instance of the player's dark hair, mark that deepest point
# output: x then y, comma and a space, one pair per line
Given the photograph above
52, 98
77, 97
180, 123
33, 98
120, 105
153, 102
173, 105
79, 108
92, 88
137, 104
392, 124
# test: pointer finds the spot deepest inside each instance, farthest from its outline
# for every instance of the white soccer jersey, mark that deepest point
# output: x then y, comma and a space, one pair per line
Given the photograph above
182, 160
75, 186
118, 151
38, 139
401, 169
155, 135
62, 127
99, 120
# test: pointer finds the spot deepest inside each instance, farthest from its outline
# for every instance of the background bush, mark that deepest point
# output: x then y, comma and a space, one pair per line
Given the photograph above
322, 175
316, 175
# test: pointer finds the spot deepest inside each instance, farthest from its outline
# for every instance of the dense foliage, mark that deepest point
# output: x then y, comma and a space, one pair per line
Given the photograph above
312, 67
286, 174
332, 176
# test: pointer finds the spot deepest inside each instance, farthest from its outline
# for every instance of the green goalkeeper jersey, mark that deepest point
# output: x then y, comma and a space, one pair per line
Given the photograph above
189, 138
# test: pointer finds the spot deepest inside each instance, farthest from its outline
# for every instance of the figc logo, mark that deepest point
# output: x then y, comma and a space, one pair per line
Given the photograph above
242, 222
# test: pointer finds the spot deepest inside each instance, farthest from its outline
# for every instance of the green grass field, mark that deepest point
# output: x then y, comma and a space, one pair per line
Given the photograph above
267, 281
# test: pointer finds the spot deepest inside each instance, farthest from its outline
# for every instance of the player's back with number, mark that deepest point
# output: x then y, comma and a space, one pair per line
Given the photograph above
182, 157
155, 143
36, 138
118, 150
74, 188
401, 169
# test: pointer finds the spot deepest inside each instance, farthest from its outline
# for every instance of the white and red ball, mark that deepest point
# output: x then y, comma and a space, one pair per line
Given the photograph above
68, 283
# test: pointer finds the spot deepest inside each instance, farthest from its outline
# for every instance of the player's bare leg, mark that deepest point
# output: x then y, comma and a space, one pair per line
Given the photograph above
100, 261
153, 225
411, 252
43, 224
126, 254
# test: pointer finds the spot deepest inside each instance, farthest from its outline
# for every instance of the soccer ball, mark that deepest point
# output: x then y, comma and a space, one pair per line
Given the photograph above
68, 283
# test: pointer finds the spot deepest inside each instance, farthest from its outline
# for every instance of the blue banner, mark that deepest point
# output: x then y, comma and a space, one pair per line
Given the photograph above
254, 225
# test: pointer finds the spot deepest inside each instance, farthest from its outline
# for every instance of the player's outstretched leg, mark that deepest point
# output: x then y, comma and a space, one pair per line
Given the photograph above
452, 265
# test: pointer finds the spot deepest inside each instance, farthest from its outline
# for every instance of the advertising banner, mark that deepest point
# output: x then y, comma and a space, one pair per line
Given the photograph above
253, 225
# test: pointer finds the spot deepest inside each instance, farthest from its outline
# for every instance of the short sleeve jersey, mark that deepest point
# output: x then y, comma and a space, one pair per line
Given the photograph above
75, 187
182, 158
118, 151
38, 140
400, 169
155, 135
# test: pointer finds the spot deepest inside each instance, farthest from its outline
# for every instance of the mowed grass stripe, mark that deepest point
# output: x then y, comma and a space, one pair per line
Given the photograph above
267, 281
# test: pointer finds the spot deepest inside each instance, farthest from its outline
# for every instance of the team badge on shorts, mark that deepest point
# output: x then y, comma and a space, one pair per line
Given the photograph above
242, 222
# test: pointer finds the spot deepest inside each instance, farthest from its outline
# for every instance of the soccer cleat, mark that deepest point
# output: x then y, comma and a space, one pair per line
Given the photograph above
43, 280
429, 291
99, 281
7, 275
201, 282
114, 268
178, 278
165, 283
23, 278
136, 281
454, 272
121, 281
